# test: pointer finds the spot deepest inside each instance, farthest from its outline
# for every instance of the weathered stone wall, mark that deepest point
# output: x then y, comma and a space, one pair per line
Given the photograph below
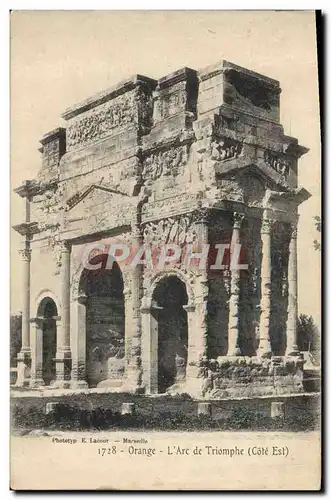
250, 377
44, 271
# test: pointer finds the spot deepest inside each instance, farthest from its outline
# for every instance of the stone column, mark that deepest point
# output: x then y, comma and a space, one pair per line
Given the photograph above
24, 356
265, 345
63, 354
291, 327
37, 352
150, 349
201, 219
133, 363
194, 350
233, 329
78, 342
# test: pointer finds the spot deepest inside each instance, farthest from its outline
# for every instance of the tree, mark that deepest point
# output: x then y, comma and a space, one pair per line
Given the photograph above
15, 337
318, 225
307, 334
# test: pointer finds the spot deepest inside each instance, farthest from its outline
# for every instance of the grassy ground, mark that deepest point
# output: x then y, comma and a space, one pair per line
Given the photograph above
103, 411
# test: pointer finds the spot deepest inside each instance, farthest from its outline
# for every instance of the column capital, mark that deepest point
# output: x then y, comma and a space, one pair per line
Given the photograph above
136, 230
65, 246
293, 229
201, 215
38, 321
82, 299
266, 225
189, 308
237, 220
25, 254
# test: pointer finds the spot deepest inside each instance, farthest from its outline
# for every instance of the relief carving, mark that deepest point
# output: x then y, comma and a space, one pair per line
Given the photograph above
278, 162
99, 122
177, 230
230, 189
164, 163
171, 104
226, 149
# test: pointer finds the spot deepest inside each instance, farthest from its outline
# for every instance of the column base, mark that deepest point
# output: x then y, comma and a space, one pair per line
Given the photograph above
35, 383
61, 384
113, 383
78, 384
234, 352
193, 387
261, 353
132, 381
63, 367
131, 388
293, 351
23, 369
264, 350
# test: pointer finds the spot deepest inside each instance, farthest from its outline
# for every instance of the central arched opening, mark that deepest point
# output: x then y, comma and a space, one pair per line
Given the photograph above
170, 296
105, 324
47, 310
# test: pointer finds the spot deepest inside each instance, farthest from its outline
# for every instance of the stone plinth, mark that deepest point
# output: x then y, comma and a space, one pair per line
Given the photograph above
128, 409
50, 407
204, 409
277, 409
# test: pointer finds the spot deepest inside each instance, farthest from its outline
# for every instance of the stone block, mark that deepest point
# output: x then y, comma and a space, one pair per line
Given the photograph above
50, 407
205, 409
128, 409
277, 409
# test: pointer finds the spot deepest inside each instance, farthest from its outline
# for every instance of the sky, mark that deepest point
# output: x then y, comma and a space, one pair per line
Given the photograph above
59, 58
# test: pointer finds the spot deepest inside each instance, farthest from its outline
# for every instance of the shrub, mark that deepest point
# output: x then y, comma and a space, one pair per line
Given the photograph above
73, 417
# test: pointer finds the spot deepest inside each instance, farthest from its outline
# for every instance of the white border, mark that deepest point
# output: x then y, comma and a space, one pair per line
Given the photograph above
4, 184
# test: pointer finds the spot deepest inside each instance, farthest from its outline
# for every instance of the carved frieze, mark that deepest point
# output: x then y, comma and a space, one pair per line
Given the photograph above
226, 149
278, 162
177, 230
99, 122
164, 163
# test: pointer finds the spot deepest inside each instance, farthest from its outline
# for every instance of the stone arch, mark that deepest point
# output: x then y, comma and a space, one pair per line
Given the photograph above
155, 325
45, 338
46, 293
158, 277
79, 276
98, 310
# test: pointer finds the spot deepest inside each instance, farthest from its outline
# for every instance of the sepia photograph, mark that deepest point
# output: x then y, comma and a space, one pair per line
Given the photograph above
165, 308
